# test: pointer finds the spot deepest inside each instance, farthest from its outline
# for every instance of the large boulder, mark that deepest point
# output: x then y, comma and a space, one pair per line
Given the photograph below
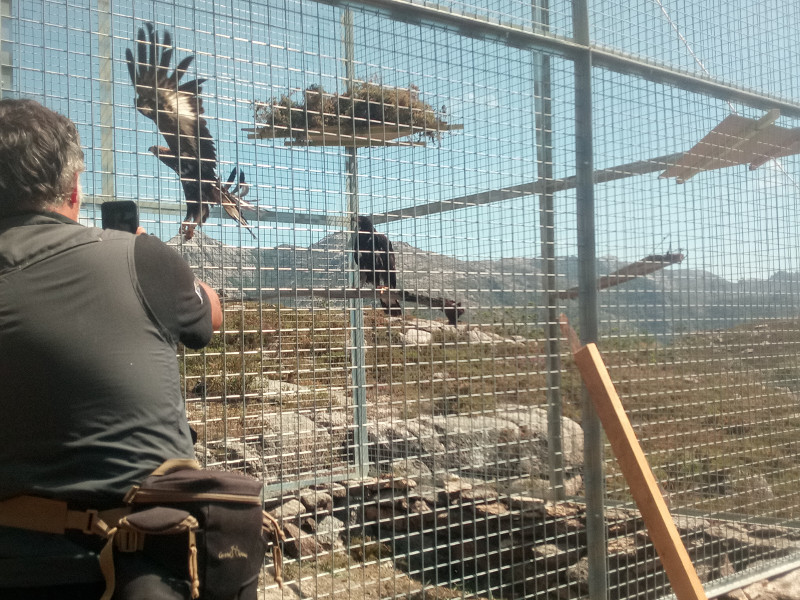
512, 441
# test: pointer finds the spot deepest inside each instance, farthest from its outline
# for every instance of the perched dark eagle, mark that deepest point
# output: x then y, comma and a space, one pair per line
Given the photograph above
374, 256
175, 108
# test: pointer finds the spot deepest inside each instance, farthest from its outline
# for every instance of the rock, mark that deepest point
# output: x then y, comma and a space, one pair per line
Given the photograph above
408, 467
513, 441
551, 557
489, 510
783, 587
533, 434
232, 455
454, 489
577, 576
430, 494
288, 511
541, 488
336, 490
476, 336
292, 395
412, 438
295, 445
316, 501
360, 488
480, 493
755, 487
389, 483
329, 531
299, 544
527, 505
308, 524
416, 337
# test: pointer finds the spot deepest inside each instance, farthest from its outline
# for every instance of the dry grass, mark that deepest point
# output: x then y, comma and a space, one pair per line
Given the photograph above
369, 104
717, 413
718, 417
339, 577
225, 384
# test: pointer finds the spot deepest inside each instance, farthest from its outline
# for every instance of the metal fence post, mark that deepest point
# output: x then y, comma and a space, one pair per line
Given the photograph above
544, 166
356, 305
106, 97
592, 433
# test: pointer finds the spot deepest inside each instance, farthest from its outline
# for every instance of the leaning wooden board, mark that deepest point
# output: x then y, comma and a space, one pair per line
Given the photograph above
644, 488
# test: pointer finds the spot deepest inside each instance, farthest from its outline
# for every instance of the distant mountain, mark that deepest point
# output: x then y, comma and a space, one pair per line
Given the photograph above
674, 300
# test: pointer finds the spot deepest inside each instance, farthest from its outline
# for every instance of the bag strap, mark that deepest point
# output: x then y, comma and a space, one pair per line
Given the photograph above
54, 516
177, 464
270, 524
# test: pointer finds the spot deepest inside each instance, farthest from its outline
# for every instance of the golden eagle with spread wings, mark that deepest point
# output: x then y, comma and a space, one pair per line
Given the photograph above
176, 109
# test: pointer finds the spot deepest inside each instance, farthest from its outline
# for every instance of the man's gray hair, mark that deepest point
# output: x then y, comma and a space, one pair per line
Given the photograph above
40, 154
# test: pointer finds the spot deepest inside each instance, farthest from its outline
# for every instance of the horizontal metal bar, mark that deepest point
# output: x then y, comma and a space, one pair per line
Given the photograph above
691, 82
748, 577
331, 294
258, 215
527, 189
470, 25
343, 223
287, 486
476, 26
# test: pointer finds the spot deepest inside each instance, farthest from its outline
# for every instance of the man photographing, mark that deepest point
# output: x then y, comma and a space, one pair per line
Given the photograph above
90, 402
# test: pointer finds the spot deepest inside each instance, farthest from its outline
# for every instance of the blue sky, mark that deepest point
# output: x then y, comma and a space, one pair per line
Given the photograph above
734, 222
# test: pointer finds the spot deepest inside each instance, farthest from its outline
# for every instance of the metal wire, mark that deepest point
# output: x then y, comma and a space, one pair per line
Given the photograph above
511, 153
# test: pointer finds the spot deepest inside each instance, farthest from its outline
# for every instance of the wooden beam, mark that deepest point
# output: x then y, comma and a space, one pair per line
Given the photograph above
644, 488
640, 268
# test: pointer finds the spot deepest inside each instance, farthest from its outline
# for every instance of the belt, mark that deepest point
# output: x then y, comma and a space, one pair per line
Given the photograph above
55, 516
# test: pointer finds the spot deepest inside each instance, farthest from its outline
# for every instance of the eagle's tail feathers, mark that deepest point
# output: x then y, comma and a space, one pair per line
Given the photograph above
241, 189
231, 179
231, 207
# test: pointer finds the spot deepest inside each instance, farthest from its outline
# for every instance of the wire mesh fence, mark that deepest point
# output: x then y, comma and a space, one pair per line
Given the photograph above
404, 393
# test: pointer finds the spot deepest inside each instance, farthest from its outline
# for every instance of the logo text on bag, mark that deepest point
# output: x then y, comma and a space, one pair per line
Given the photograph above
234, 552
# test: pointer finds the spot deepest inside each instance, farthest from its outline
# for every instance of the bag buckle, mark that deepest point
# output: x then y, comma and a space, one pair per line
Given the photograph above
128, 541
91, 521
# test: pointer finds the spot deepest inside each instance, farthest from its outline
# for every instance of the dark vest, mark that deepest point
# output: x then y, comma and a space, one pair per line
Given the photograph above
90, 398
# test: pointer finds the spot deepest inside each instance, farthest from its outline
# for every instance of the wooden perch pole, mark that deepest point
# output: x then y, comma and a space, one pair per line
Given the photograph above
640, 268
644, 488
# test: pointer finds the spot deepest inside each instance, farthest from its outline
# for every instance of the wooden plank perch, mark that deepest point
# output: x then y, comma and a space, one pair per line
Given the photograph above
737, 141
451, 309
338, 294
649, 264
633, 463
377, 134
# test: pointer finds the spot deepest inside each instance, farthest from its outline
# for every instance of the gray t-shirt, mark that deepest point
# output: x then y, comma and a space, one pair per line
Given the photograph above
89, 326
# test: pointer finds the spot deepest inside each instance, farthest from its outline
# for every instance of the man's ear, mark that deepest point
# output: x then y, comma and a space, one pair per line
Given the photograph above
75, 196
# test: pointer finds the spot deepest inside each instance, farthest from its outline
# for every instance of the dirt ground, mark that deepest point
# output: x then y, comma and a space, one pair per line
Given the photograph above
377, 581
362, 582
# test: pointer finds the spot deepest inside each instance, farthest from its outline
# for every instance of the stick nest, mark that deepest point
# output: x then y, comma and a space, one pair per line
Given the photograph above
369, 105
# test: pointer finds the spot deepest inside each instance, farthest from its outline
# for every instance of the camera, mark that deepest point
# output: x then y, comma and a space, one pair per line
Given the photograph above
122, 215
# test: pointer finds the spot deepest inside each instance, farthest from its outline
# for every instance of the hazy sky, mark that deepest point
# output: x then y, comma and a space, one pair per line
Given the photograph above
733, 221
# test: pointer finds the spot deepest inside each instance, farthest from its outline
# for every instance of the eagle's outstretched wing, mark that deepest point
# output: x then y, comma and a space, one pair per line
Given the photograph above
173, 106
176, 109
